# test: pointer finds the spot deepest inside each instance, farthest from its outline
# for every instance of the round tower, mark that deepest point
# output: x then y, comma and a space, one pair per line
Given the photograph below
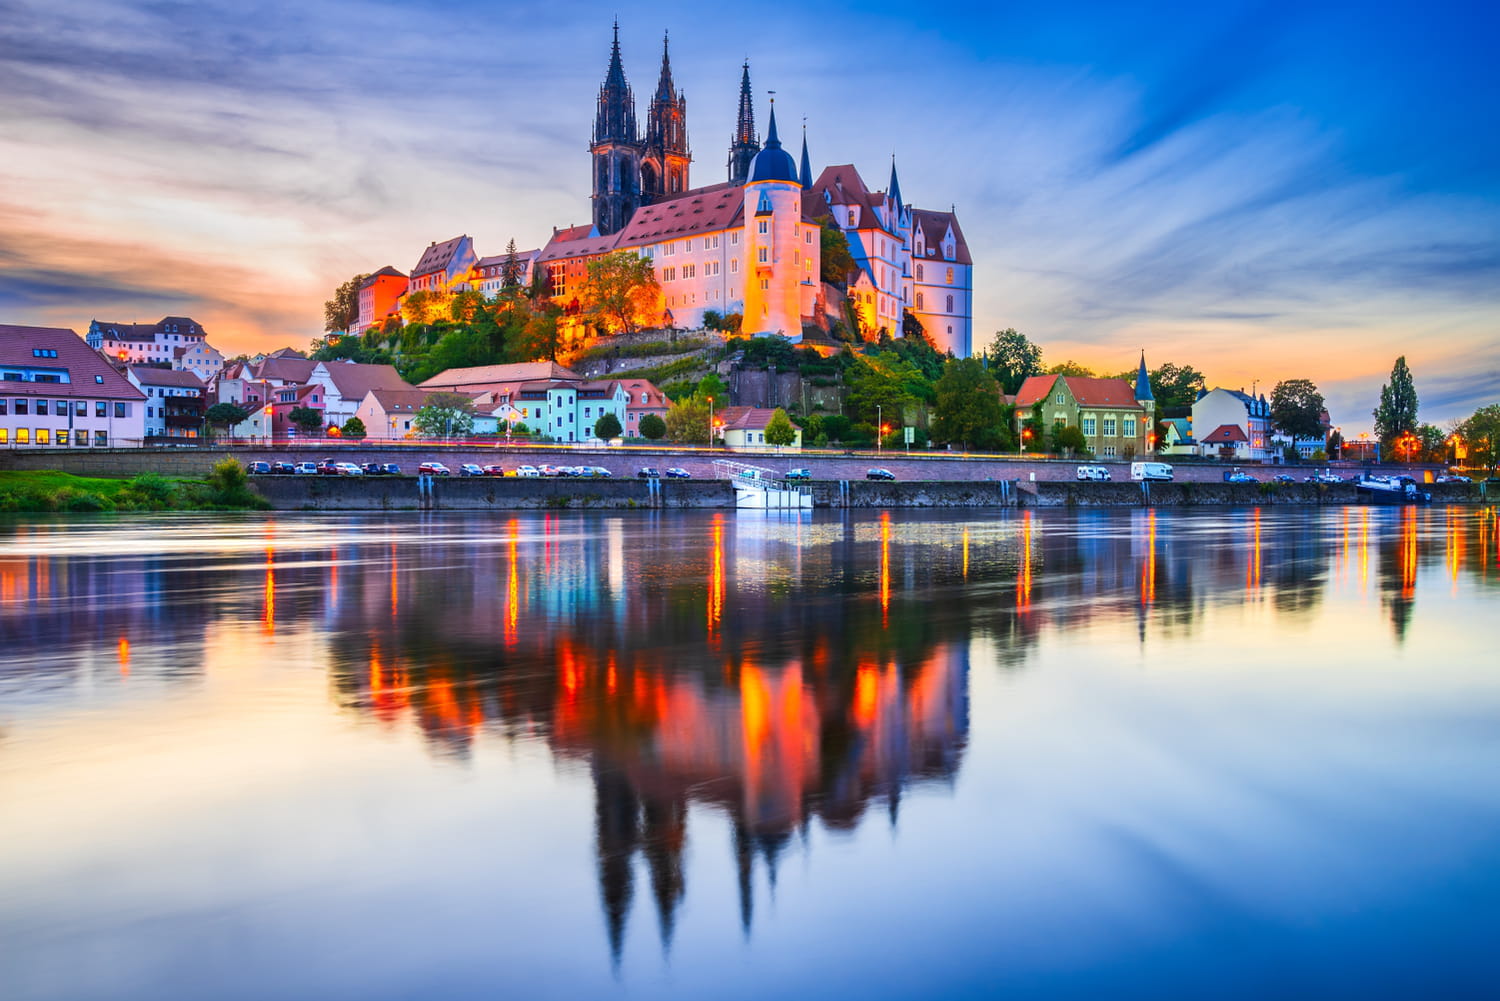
773, 243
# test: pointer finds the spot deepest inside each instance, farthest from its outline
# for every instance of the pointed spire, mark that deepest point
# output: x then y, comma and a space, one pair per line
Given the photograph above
615, 121
771, 141
805, 173
665, 91
894, 191
1143, 381
744, 132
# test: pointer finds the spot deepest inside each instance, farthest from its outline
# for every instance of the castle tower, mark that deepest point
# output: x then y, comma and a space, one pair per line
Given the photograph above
804, 171
664, 163
1143, 394
745, 144
774, 245
616, 149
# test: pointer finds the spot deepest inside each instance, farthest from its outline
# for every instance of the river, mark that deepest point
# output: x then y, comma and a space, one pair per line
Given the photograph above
1230, 753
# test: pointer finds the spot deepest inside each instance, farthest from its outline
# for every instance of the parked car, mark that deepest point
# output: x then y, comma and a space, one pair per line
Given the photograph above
1323, 478
469, 469
799, 474
1238, 476
283, 468
880, 474
373, 469
678, 473
647, 473
349, 469
528, 472
546, 470
1284, 478
259, 468
1093, 473
433, 469
307, 468
1454, 479
600, 472
391, 469
494, 470
328, 467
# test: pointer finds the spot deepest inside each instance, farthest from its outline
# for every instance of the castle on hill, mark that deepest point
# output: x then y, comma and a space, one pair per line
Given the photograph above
751, 244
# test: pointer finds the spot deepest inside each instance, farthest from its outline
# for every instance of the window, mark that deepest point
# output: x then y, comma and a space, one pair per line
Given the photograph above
1059, 398
1109, 451
80, 408
919, 300
1109, 427
23, 436
734, 239
669, 249
763, 254
1129, 427
950, 276
1089, 427
764, 226
950, 304
919, 272
101, 439
669, 274
122, 409
62, 437
689, 271
22, 407
765, 284
807, 236
734, 265
4, 436
99, 406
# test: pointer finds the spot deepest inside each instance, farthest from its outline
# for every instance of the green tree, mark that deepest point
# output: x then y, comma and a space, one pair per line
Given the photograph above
354, 428
444, 415
1073, 368
968, 405
652, 427
226, 415
510, 269
621, 293
714, 388
1432, 443
342, 311
1013, 359
687, 421
608, 427
1173, 386
1070, 440
1397, 413
1480, 435
779, 430
836, 263
309, 421
879, 388
713, 319
1297, 408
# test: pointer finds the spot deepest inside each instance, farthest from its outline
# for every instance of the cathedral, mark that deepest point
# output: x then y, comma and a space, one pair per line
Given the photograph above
752, 243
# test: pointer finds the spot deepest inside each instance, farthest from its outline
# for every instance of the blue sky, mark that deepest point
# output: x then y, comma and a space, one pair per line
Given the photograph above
1264, 191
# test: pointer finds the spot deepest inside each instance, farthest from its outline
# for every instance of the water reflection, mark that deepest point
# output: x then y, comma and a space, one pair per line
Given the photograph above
771, 673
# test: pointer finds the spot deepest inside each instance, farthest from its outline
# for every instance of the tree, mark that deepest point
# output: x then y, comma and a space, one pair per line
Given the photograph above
1480, 436
342, 311
1014, 359
226, 415
444, 415
510, 268
652, 427
354, 428
608, 427
621, 292
687, 421
1070, 440
968, 405
1297, 408
878, 387
1397, 413
1173, 386
307, 419
835, 263
1431, 441
779, 430
1073, 368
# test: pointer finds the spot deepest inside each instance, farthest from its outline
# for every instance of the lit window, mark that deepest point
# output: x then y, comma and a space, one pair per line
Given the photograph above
950, 276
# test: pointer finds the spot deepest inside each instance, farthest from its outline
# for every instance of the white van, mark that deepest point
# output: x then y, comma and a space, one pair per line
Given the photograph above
1150, 471
1093, 473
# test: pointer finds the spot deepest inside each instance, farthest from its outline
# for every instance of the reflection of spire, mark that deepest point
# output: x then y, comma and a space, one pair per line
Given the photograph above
616, 835
665, 835
744, 855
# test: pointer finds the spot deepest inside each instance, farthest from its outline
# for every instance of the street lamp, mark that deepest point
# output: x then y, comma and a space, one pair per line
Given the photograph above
710, 422
879, 427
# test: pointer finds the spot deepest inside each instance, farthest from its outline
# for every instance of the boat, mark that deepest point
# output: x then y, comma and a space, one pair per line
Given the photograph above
1390, 490
761, 488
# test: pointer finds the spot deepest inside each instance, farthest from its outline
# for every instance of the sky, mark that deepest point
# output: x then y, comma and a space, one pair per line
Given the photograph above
1264, 191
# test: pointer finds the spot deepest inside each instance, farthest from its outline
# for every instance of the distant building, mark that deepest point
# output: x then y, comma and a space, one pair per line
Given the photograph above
345, 384
745, 428
642, 398
379, 297
56, 391
174, 401
1232, 424
1116, 420
1177, 437
443, 266
489, 272
176, 342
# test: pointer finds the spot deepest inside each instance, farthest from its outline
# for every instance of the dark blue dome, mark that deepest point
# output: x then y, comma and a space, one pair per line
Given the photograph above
773, 164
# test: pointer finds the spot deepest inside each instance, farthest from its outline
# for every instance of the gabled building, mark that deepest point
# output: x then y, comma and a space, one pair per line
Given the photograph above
177, 342
443, 266
388, 413
174, 401
1116, 419
1177, 437
744, 428
489, 272
642, 398
55, 390
1233, 424
379, 297
346, 383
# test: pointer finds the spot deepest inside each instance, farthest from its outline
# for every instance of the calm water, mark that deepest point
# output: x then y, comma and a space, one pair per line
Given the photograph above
1208, 754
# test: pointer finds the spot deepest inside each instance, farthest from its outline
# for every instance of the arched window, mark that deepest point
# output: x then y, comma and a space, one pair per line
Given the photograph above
919, 300
919, 272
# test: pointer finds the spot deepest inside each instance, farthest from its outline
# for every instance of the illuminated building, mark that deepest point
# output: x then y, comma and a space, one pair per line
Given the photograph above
1116, 420
55, 391
379, 296
175, 341
1233, 424
174, 401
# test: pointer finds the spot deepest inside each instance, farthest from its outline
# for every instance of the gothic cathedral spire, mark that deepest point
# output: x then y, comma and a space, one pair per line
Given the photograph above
665, 159
616, 149
746, 143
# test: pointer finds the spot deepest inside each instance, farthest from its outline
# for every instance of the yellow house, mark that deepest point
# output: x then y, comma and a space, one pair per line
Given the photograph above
744, 428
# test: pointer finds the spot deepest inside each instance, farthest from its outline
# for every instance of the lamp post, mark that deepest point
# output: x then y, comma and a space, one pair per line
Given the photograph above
711, 423
879, 427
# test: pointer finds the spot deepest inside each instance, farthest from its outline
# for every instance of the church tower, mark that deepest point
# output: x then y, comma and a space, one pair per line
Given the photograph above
616, 150
773, 244
664, 164
746, 143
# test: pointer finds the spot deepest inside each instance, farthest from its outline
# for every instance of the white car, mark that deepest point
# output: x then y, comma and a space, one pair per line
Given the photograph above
1093, 473
348, 469
529, 472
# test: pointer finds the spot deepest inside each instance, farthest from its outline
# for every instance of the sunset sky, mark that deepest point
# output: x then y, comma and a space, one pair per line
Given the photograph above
1264, 191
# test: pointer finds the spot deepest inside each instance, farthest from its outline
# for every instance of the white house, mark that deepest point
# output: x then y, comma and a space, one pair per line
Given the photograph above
1232, 424
174, 401
57, 391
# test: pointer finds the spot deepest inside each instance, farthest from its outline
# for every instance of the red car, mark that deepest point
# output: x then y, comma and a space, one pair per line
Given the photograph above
494, 470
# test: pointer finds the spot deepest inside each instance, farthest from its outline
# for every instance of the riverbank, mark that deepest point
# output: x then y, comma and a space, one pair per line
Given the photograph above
50, 491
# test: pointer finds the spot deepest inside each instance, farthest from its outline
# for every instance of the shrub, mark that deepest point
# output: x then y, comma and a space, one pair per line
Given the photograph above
150, 490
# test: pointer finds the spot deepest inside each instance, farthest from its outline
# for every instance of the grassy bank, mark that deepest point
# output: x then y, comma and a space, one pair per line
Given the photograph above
46, 491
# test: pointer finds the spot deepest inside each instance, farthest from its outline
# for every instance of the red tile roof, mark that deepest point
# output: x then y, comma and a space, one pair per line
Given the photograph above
89, 374
934, 226
1225, 434
1087, 392
354, 381
149, 376
747, 418
1034, 389
483, 377
702, 210
437, 256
